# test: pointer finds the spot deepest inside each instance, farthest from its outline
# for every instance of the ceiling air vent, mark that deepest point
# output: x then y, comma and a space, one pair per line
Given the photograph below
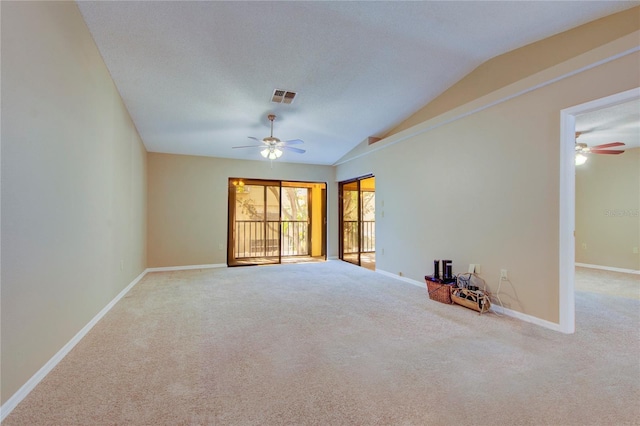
283, 96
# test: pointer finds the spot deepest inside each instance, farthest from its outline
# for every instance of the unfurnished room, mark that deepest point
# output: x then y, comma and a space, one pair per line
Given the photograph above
320, 213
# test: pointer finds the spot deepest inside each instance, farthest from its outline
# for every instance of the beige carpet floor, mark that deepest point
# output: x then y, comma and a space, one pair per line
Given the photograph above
608, 282
333, 344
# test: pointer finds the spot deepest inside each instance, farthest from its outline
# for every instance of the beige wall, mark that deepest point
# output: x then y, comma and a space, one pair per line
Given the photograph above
526, 61
482, 186
187, 202
73, 186
607, 205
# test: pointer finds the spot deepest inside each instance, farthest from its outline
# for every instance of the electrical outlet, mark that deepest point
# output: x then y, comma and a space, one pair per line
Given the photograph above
635, 250
477, 268
220, 246
400, 274
472, 268
503, 274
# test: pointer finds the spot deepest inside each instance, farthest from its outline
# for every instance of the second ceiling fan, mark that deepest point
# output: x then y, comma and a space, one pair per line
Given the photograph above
582, 150
273, 147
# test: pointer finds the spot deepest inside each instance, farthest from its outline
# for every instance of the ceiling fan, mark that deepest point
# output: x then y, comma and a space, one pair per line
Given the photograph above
272, 147
582, 150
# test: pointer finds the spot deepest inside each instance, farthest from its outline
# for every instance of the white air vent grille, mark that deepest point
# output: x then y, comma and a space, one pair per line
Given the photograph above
283, 96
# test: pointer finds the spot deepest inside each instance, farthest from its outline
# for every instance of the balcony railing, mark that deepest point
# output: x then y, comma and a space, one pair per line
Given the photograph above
350, 230
262, 239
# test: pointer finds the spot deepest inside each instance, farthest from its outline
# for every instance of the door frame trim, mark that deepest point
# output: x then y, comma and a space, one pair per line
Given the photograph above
567, 219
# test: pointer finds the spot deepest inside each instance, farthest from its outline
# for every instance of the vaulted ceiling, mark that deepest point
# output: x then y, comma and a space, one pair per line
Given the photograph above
198, 77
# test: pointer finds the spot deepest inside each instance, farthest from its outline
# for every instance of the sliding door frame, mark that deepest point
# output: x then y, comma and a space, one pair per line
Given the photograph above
359, 216
231, 216
231, 219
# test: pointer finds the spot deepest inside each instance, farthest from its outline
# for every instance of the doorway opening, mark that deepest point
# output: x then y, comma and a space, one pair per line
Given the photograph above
568, 200
357, 224
272, 221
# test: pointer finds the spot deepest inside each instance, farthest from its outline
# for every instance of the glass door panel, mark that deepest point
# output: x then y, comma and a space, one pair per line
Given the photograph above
351, 222
254, 225
357, 221
272, 223
295, 221
368, 223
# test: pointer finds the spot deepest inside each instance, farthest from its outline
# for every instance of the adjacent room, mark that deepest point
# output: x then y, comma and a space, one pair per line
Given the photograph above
225, 212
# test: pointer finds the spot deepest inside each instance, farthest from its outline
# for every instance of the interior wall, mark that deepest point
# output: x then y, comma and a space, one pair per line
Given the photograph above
73, 186
607, 206
484, 188
187, 201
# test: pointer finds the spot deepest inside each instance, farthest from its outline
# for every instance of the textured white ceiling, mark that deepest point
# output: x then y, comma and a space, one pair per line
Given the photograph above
197, 77
618, 123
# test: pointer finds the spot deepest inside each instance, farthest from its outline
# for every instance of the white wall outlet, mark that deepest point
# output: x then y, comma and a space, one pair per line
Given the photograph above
635, 250
472, 268
220, 246
503, 274
478, 269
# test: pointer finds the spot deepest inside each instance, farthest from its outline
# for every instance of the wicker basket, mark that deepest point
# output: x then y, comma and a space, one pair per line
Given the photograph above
438, 291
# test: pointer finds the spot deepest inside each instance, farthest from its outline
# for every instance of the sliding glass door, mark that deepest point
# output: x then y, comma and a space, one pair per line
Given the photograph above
272, 220
254, 222
357, 221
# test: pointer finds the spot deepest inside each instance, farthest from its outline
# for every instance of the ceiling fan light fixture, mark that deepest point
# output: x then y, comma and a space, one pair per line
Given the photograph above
272, 153
580, 159
272, 147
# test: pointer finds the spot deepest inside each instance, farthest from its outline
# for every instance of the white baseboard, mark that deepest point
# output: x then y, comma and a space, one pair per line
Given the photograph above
526, 318
498, 309
405, 279
185, 268
608, 268
17, 397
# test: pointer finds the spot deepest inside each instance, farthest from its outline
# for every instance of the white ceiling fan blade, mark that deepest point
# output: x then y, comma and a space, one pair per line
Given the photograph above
249, 146
258, 140
290, 148
294, 142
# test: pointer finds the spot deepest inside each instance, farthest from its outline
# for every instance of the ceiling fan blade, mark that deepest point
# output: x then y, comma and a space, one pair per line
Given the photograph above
248, 146
290, 148
607, 145
294, 142
258, 140
606, 151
